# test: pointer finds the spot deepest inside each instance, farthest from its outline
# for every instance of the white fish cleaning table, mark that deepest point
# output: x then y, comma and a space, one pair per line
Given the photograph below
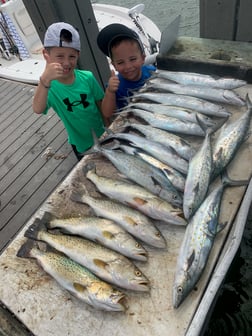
46, 309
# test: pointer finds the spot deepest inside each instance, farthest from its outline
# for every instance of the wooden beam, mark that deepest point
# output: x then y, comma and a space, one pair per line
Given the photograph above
80, 14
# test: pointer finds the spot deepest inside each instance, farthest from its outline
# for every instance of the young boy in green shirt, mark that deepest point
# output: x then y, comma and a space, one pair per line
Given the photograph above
74, 95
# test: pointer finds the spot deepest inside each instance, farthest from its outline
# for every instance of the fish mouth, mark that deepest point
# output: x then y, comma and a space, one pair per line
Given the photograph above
142, 256
143, 286
116, 303
122, 303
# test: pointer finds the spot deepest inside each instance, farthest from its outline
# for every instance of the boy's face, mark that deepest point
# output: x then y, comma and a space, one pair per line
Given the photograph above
67, 57
128, 59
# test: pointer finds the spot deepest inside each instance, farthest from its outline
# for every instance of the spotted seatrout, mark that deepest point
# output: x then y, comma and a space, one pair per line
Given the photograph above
136, 197
103, 231
132, 220
107, 264
76, 279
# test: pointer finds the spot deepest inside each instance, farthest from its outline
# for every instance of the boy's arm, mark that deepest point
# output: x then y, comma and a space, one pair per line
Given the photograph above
109, 101
52, 71
40, 97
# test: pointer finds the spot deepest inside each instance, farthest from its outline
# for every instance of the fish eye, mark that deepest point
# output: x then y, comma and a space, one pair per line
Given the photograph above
137, 245
179, 289
138, 273
158, 235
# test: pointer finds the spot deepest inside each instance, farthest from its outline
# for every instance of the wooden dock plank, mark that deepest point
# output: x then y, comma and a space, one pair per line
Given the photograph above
27, 177
27, 142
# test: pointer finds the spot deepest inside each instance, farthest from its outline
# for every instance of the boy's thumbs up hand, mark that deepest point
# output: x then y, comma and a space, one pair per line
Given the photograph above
113, 82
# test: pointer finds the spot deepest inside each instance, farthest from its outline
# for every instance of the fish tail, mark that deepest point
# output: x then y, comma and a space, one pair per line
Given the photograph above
208, 130
76, 196
220, 123
34, 229
47, 217
89, 167
25, 249
96, 146
248, 101
227, 181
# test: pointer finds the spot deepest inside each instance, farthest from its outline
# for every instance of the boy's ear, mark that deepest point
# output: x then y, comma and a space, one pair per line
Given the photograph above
45, 54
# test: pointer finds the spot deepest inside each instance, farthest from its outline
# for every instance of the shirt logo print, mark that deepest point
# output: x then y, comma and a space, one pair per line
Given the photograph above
83, 101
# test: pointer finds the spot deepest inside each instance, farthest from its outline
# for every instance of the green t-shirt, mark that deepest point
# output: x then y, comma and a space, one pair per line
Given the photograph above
76, 107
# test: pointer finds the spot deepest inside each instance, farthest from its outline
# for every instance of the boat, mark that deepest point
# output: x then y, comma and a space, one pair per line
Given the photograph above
21, 47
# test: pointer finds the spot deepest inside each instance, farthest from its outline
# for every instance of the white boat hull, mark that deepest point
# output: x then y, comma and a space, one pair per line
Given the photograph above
29, 69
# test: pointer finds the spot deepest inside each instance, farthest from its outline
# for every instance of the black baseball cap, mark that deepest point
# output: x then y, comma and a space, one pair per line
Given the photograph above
109, 33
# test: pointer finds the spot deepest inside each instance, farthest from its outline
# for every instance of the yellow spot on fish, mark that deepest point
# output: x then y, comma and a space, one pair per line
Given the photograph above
108, 234
100, 263
140, 201
130, 220
79, 288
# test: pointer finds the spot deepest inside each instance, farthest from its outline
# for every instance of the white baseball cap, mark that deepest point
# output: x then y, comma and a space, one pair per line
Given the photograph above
61, 34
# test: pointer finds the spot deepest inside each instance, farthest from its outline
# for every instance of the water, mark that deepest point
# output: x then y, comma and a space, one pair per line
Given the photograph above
163, 11
232, 314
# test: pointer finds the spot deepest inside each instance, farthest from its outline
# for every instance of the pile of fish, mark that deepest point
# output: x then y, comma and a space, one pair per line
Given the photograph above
164, 177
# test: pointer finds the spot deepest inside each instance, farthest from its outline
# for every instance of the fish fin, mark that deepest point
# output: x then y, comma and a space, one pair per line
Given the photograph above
130, 220
156, 182
25, 249
221, 226
190, 260
108, 234
100, 263
79, 287
140, 201
196, 189
33, 229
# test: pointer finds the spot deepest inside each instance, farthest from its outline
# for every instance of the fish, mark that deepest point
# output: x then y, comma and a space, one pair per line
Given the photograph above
180, 145
198, 177
163, 153
230, 138
216, 95
186, 101
136, 197
76, 279
103, 231
176, 178
168, 123
105, 263
140, 172
133, 221
192, 78
178, 112
197, 243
